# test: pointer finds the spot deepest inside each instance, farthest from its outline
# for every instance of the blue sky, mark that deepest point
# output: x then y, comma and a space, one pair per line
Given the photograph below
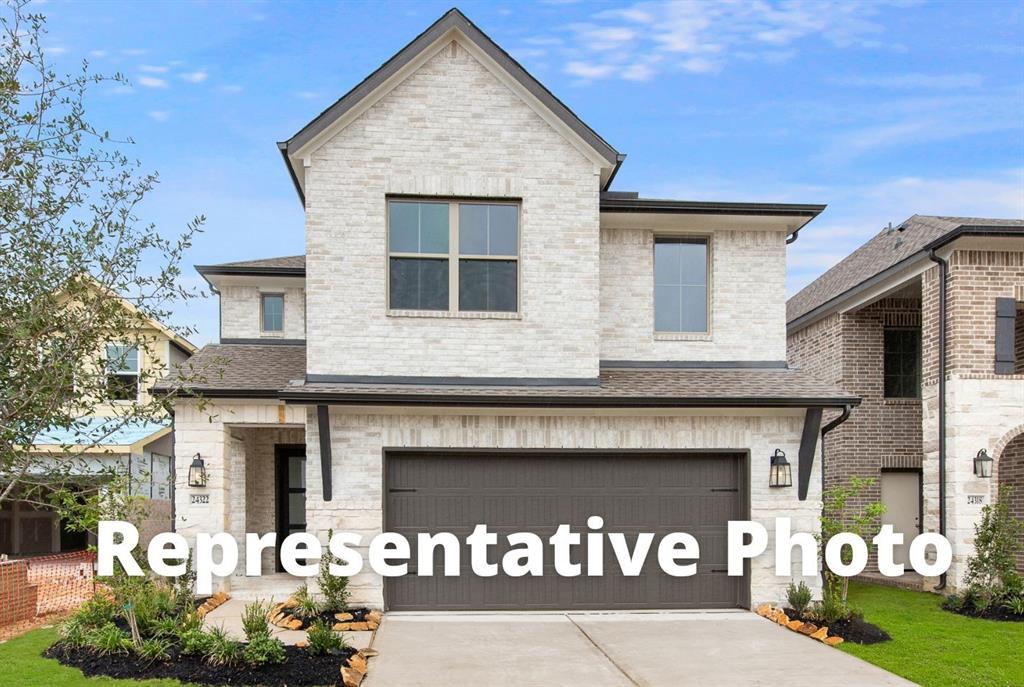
879, 109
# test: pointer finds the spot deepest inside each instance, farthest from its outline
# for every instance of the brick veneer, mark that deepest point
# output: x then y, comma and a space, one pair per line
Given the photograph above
1010, 472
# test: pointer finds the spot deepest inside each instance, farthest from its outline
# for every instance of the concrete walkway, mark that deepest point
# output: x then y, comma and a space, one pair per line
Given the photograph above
607, 650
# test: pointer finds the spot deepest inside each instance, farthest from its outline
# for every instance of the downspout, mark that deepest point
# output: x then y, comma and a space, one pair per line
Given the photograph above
943, 272
843, 417
172, 472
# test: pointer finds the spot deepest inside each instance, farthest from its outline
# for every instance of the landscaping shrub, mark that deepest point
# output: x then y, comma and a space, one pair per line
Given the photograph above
322, 639
832, 608
108, 639
334, 588
992, 579
306, 606
74, 632
799, 597
263, 649
99, 610
195, 642
155, 650
254, 620
221, 650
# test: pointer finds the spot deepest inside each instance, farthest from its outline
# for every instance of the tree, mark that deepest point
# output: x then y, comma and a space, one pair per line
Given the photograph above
77, 270
838, 515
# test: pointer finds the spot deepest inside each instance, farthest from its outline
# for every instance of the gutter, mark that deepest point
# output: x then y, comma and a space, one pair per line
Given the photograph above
943, 273
283, 147
843, 417
619, 159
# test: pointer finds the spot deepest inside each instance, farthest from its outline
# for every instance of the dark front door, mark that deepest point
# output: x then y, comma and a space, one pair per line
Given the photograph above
290, 477
535, 492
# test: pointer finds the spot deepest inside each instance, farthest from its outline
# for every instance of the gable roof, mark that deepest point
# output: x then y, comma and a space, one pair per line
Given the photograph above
887, 250
452, 19
288, 265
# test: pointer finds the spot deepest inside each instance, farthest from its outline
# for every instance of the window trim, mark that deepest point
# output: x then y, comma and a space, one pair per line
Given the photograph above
137, 374
263, 300
670, 335
453, 256
920, 364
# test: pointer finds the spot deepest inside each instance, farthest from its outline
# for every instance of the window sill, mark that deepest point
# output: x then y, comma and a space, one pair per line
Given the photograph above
460, 315
271, 335
901, 401
682, 336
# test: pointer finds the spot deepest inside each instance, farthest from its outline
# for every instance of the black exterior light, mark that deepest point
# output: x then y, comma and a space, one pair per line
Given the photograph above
781, 474
983, 464
197, 472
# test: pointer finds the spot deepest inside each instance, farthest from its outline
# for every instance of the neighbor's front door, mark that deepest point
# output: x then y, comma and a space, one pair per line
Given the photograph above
901, 495
290, 477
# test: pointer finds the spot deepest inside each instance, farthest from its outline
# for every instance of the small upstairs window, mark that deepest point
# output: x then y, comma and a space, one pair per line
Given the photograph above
272, 312
122, 372
680, 285
453, 256
902, 363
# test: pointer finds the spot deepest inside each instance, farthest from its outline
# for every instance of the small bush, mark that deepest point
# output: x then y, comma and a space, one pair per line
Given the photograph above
221, 649
322, 639
264, 649
195, 642
333, 587
254, 620
1015, 605
97, 611
799, 597
831, 609
108, 639
306, 606
188, 622
992, 576
74, 632
155, 650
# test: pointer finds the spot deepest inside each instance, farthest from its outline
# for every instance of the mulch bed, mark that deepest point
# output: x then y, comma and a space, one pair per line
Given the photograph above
300, 668
997, 613
853, 629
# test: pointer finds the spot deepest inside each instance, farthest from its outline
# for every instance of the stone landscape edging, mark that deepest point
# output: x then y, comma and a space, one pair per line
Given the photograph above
779, 617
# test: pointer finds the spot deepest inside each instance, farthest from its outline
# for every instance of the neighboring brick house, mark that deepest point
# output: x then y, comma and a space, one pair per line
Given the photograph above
481, 332
871, 325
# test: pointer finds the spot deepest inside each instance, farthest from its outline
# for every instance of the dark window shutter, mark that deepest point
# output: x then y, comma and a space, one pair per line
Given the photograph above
1006, 315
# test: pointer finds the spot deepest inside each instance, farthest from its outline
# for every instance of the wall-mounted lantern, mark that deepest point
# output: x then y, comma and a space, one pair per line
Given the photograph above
983, 464
197, 472
781, 474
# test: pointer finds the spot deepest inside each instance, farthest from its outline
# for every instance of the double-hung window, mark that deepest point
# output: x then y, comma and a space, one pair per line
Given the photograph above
902, 363
680, 285
122, 372
453, 256
272, 312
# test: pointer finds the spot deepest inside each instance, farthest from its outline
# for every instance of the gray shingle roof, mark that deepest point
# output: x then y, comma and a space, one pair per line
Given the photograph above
248, 370
886, 249
288, 262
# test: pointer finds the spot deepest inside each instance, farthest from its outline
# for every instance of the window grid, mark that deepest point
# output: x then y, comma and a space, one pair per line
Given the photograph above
670, 291
272, 317
123, 371
454, 258
902, 363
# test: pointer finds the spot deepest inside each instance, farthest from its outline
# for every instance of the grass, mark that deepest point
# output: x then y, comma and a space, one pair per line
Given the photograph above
933, 647
22, 665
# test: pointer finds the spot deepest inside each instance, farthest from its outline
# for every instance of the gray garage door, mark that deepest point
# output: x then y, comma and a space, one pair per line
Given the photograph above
535, 492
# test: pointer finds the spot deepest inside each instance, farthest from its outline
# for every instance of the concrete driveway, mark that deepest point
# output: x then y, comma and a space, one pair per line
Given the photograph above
607, 650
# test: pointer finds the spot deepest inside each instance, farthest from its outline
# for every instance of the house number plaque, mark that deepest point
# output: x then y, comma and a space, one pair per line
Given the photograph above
975, 500
200, 498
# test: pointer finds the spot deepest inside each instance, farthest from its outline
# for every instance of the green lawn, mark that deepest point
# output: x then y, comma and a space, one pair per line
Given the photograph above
933, 647
21, 664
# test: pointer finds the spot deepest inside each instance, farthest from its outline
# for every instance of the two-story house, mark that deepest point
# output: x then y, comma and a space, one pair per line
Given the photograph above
109, 437
924, 322
480, 332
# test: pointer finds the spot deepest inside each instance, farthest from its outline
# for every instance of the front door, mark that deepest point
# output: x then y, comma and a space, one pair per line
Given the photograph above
901, 496
290, 478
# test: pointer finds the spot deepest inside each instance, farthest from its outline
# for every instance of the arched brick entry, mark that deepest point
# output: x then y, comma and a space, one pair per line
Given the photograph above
1010, 467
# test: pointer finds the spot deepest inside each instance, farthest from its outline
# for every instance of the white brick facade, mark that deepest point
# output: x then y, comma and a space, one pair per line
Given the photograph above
240, 311
452, 129
748, 298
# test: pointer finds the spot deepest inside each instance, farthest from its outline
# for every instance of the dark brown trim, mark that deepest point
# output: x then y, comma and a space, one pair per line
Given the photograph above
223, 393
693, 207
323, 430
452, 381
695, 364
269, 341
808, 444
243, 270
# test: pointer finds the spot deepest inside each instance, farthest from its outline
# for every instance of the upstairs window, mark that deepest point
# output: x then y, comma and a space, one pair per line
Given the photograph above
272, 312
680, 285
902, 364
453, 256
122, 372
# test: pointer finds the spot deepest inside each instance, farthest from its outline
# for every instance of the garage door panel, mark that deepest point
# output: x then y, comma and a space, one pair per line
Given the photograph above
657, 493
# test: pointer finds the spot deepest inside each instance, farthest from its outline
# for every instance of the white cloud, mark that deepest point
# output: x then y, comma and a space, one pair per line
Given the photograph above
701, 37
159, 115
152, 82
97, 53
134, 52
197, 76
231, 88
153, 69
913, 81
55, 50
309, 95
588, 71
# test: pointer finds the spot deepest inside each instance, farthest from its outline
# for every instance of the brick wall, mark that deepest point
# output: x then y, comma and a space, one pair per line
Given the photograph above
452, 129
748, 298
1010, 472
240, 312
